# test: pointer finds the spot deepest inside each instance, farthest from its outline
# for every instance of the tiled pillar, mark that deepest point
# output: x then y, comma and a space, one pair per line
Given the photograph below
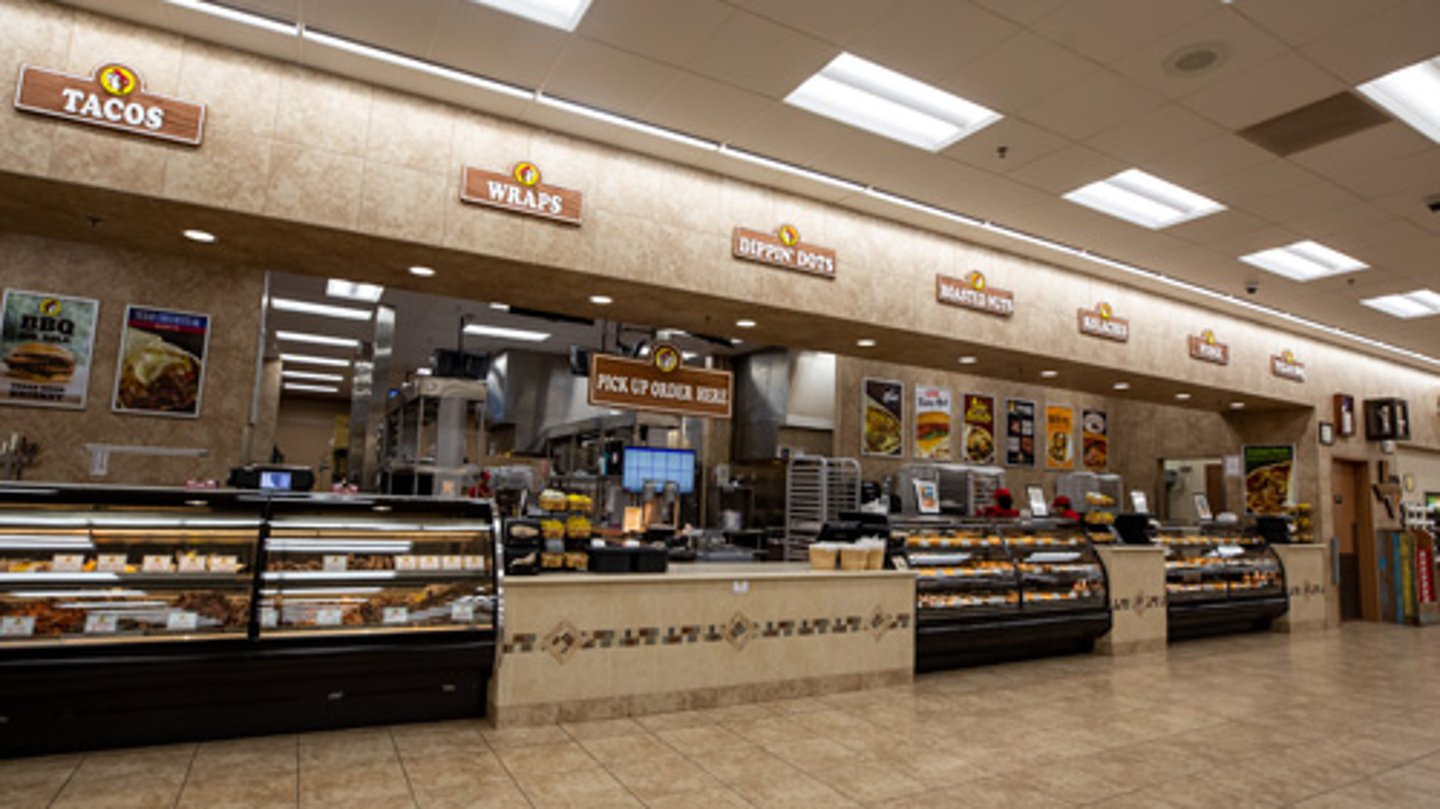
1307, 578
1137, 599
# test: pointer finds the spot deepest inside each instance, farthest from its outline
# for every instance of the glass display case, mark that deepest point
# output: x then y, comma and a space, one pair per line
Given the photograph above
1222, 579
1058, 568
960, 570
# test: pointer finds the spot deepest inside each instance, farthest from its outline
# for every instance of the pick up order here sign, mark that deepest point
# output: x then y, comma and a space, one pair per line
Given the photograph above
631, 384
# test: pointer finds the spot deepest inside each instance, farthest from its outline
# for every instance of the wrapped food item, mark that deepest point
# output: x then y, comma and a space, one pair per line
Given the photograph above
553, 500
577, 527
579, 502
1098, 499
552, 529
552, 561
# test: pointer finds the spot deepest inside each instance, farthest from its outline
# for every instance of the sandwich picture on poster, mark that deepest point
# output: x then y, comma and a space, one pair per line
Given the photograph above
932, 424
1094, 440
47, 343
1019, 432
883, 412
1269, 478
979, 437
161, 369
1059, 437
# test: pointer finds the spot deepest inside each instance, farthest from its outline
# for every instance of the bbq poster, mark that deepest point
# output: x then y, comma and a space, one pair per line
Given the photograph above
1094, 440
1269, 478
47, 343
1059, 437
161, 369
979, 429
932, 423
883, 410
1019, 432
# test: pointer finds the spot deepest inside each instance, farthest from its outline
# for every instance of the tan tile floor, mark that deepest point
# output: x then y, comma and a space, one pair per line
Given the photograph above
1349, 718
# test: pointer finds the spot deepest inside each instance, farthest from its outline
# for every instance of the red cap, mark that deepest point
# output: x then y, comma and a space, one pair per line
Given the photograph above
1002, 493
1062, 500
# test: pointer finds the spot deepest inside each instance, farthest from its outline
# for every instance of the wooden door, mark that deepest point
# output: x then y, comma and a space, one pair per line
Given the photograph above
1215, 487
1345, 522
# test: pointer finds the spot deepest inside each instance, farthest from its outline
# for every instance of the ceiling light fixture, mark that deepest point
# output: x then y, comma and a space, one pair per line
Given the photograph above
311, 359
745, 323
500, 307
874, 98
422, 272
688, 355
323, 310
296, 386
601, 300
1407, 305
1411, 94
1121, 386
1048, 374
312, 376
353, 290
1143, 199
969, 360
201, 236
235, 15
411, 63
1237, 405
1183, 397
1304, 261
500, 333
316, 339
865, 342
424, 371
562, 14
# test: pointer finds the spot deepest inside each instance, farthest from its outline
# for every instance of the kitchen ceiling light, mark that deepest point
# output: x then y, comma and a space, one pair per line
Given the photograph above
312, 376
877, 99
424, 371
1304, 261
1143, 199
324, 310
1121, 386
865, 342
601, 300
1237, 405
1420, 303
745, 324
311, 359
498, 332
1411, 94
1049, 374
688, 355
316, 339
353, 290
422, 272
295, 386
1183, 397
236, 15
562, 14
500, 307
969, 360
201, 236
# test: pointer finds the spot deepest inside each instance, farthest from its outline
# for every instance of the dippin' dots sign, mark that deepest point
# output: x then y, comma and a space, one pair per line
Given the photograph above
112, 97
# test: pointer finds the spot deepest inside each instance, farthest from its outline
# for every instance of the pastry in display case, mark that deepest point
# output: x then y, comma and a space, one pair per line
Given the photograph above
1058, 567
961, 570
1220, 580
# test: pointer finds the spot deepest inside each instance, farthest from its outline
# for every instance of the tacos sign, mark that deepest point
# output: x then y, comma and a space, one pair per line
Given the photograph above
113, 97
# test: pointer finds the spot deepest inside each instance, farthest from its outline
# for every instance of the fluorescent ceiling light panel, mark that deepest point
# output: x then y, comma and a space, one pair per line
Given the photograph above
868, 96
1304, 261
1420, 303
353, 290
562, 14
324, 310
1411, 94
522, 335
311, 388
317, 339
1144, 199
311, 359
236, 15
312, 376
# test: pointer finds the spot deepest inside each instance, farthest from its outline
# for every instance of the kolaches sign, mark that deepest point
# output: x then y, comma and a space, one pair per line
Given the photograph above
113, 97
661, 384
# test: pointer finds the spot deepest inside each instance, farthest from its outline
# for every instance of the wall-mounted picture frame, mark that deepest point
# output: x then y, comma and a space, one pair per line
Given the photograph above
1327, 434
1202, 507
1432, 502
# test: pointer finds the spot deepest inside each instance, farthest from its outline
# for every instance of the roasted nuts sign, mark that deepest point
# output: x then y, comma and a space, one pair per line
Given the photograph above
1285, 366
113, 97
1205, 348
661, 384
521, 191
1101, 322
974, 292
783, 249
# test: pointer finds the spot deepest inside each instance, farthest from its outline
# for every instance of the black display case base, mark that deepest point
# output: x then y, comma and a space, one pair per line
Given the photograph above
940, 646
1208, 619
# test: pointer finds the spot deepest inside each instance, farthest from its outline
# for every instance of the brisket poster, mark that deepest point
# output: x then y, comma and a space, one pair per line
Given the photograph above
1019, 432
161, 369
1059, 437
1094, 440
979, 429
47, 343
883, 411
932, 423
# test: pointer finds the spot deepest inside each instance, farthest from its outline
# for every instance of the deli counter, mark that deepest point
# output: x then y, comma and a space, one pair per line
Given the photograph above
1222, 579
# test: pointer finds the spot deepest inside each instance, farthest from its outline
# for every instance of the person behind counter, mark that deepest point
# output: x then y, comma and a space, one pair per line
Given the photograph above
1063, 509
1004, 506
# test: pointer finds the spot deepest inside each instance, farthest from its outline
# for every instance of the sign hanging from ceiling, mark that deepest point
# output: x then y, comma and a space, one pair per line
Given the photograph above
1285, 366
521, 191
783, 249
974, 292
113, 97
1101, 322
1205, 348
660, 384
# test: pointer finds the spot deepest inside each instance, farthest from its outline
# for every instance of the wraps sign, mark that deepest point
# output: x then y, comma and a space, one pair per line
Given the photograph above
520, 192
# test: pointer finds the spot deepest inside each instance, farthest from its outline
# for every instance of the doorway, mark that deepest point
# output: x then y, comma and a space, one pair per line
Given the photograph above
1184, 478
1349, 512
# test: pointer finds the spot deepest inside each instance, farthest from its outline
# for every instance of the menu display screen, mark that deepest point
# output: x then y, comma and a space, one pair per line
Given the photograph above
659, 466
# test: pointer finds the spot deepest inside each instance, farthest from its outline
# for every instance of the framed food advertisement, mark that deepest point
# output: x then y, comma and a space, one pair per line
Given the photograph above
932, 423
883, 413
47, 343
1019, 432
1094, 440
161, 368
979, 437
1269, 478
1059, 437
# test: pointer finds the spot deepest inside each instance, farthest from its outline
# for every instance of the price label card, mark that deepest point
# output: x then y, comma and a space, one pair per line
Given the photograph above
335, 563
17, 626
462, 612
405, 562
269, 617
397, 615
224, 564
452, 562
474, 563
192, 564
67, 562
100, 623
110, 563
329, 616
182, 621
157, 564
429, 563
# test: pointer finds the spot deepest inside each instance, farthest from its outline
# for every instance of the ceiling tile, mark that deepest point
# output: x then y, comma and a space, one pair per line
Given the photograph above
704, 107
1024, 12
1306, 200
1095, 103
1223, 30
1380, 42
404, 27
660, 29
1325, 223
608, 78
1300, 21
1218, 227
1067, 169
1022, 143
1155, 134
1344, 158
491, 43
929, 39
1018, 72
279, 9
761, 56
789, 133
835, 21
1105, 30
1257, 182
1418, 172
1259, 93
1212, 159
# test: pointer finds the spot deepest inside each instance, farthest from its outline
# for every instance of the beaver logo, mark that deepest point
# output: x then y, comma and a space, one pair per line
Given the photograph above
118, 80
666, 357
789, 235
526, 174
976, 280
1105, 311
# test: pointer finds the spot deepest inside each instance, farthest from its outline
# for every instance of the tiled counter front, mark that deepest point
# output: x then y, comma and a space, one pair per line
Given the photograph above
1307, 572
592, 646
1137, 599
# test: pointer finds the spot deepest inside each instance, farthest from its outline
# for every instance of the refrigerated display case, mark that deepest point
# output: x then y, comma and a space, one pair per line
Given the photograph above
988, 592
1222, 580
139, 616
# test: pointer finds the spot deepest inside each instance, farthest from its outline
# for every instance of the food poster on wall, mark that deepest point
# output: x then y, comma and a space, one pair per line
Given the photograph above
884, 413
1019, 432
1269, 478
979, 429
162, 362
46, 345
1059, 437
1094, 440
932, 423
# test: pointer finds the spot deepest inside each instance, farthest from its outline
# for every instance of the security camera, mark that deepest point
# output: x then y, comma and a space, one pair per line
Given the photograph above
1433, 204
1252, 286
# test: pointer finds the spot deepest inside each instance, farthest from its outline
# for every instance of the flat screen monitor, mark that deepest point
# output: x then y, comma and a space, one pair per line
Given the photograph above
270, 479
644, 464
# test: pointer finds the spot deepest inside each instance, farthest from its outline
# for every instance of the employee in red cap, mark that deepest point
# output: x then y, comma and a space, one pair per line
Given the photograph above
1061, 508
1004, 506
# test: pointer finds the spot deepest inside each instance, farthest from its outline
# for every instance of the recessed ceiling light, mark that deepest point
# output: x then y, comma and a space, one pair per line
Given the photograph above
1121, 386
202, 236
424, 371
353, 290
865, 342
500, 307
1184, 397
1411, 94
868, 96
317, 339
1420, 303
562, 14
601, 300
745, 324
969, 360
422, 272
1048, 374
1144, 199
521, 335
1304, 261
1237, 405
688, 355
308, 308
296, 386
312, 376
311, 359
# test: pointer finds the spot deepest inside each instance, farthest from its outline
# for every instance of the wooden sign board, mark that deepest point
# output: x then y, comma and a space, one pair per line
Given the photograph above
974, 292
113, 97
1203, 347
660, 384
783, 249
520, 191
1101, 322
1285, 366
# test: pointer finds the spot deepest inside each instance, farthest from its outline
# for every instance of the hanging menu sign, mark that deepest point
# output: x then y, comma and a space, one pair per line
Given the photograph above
783, 249
1285, 366
1059, 437
113, 97
1205, 348
520, 191
1019, 432
1094, 440
974, 292
1101, 322
661, 384
932, 424
979, 429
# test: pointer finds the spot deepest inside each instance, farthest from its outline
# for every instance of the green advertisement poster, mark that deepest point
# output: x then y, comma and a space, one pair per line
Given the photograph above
47, 342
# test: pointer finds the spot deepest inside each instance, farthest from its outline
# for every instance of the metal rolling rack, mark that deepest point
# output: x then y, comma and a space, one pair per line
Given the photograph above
817, 489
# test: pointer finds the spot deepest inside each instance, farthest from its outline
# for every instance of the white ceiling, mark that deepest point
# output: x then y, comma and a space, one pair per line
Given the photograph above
1082, 84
